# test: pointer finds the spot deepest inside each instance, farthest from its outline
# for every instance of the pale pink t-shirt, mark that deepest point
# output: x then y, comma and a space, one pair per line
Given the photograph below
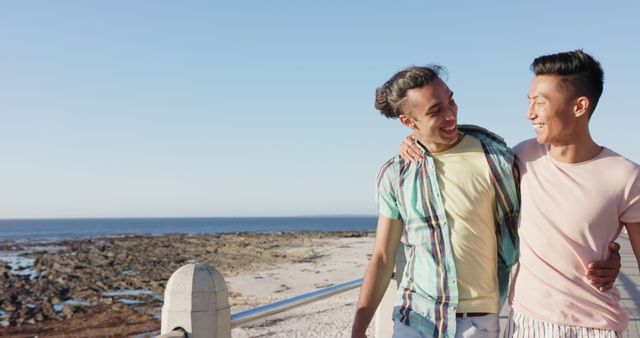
569, 214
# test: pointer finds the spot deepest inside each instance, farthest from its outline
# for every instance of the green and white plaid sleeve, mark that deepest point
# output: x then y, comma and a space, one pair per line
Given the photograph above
386, 190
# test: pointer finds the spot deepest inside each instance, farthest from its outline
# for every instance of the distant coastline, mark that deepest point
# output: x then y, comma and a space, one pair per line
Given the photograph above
51, 230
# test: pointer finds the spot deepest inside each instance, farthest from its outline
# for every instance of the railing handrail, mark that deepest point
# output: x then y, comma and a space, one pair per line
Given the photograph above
246, 316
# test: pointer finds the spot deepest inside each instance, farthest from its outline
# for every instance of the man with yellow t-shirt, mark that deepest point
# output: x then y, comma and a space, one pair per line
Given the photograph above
466, 184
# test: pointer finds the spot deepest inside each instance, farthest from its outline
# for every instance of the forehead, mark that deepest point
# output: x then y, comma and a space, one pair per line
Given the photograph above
545, 85
437, 90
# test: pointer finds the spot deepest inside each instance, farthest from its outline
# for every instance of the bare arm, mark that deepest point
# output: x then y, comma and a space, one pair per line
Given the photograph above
379, 270
633, 229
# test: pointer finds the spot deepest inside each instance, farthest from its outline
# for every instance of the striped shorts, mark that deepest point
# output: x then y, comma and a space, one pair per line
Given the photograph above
520, 326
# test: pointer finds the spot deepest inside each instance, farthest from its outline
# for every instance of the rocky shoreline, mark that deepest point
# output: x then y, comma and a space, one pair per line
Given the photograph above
113, 287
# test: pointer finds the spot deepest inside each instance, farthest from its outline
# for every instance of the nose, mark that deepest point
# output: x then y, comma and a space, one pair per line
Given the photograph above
451, 112
531, 112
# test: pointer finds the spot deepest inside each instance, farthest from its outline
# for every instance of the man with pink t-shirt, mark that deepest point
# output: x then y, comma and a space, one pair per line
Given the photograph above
576, 196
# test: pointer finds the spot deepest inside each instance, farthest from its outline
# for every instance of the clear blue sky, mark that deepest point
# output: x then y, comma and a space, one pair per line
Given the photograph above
265, 108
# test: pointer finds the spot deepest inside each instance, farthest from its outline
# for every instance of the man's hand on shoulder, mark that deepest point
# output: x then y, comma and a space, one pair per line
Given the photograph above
409, 151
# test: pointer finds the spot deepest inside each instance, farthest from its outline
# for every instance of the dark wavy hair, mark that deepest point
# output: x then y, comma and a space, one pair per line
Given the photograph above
391, 97
580, 74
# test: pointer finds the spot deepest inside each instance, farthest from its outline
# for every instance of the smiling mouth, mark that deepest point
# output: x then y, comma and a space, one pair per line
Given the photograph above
538, 125
450, 130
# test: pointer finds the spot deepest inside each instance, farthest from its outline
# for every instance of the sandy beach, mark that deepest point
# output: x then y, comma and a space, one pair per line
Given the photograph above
341, 260
113, 287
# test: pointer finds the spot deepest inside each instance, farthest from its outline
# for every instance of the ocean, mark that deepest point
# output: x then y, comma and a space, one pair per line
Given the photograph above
47, 230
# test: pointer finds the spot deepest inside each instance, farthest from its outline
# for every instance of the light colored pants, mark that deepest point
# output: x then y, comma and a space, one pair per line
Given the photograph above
466, 327
520, 325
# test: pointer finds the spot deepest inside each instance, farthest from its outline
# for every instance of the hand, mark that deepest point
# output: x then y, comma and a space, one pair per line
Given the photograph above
409, 151
603, 274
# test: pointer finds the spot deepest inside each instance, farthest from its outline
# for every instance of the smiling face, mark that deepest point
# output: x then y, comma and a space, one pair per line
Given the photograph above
551, 111
432, 113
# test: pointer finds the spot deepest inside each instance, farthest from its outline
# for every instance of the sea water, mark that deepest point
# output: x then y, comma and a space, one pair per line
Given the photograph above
45, 230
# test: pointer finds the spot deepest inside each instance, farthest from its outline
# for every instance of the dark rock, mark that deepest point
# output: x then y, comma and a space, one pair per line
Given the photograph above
85, 269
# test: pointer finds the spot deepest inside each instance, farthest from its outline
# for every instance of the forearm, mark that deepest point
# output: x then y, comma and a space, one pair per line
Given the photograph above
379, 270
373, 288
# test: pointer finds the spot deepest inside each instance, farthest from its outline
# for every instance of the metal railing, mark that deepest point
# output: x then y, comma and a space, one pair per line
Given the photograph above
247, 316
260, 312
196, 304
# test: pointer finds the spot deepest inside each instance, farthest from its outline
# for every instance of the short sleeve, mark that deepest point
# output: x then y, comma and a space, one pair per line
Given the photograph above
631, 208
386, 192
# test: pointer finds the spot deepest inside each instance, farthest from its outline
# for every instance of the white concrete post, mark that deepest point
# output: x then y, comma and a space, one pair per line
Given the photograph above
196, 299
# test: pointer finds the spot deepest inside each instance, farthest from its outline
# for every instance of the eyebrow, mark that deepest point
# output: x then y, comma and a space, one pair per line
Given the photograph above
437, 104
536, 97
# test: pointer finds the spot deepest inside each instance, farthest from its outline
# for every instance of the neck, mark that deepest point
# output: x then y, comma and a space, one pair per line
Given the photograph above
578, 149
435, 148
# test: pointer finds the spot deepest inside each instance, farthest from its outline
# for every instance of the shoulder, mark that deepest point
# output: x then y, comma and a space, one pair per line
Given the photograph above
619, 163
492, 143
390, 168
487, 138
528, 148
623, 175
483, 135
394, 168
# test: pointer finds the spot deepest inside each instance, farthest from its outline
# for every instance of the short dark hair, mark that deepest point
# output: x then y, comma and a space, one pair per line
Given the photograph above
390, 98
580, 73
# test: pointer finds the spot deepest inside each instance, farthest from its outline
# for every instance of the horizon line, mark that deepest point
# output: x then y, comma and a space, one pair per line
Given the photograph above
179, 217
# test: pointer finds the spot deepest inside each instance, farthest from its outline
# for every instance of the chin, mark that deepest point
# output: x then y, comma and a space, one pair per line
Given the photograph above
541, 140
453, 139
447, 139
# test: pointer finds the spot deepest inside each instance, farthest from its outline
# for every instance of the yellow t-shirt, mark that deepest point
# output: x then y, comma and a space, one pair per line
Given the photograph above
465, 183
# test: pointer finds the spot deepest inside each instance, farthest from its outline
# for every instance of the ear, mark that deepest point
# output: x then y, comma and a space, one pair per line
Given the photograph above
582, 107
407, 121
